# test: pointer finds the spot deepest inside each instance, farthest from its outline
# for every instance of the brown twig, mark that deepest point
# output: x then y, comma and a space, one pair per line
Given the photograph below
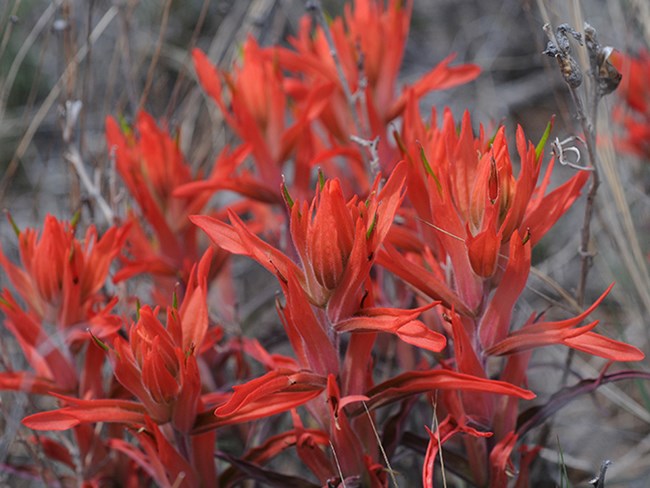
604, 80
74, 158
181, 75
45, 107
156, 55
599, 481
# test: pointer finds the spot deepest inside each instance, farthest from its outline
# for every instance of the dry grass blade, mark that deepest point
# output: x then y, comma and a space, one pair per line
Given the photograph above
620, 218
381, 447
47, 104
27, 44
156, 55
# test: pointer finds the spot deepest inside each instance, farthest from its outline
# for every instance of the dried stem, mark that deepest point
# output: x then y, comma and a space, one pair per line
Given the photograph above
604, 79
390, 470
40, 114
436, 429
156, 55
586, 256
74, 158
599, 481
371, 147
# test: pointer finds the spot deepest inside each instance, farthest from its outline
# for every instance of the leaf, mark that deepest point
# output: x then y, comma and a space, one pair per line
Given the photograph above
542, 142
418, 382
266, 476
535, 416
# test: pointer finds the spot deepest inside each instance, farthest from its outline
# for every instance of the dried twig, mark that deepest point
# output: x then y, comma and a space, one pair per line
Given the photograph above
74, 158
371, 147
391, 472
599, 481
156, 55
605, 80
45, 107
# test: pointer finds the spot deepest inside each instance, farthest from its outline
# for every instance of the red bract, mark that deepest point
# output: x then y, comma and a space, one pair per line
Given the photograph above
336, 241
538, 334
257, 112
634, 91
416, 382
59, 281
370, 42
469, 203
400, 322
275, 392
152, 166
87, 411
445, 430
60, 276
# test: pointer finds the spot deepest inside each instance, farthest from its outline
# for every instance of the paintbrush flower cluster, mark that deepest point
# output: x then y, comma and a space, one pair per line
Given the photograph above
634, 115
399, 248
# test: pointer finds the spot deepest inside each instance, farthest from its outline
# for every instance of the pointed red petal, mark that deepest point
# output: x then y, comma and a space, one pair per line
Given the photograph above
495, 323
396, 321
238, 239
417, 382
275, 392
117, 411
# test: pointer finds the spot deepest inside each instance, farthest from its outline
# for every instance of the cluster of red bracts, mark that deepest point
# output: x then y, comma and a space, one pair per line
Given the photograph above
398, 288
634, 115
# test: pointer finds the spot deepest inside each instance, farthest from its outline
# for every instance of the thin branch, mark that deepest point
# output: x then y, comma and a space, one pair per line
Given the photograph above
381, 447
371, 147
156, 55
74, 158
436, 426
338, 465
586, 256
45, 107
604, 79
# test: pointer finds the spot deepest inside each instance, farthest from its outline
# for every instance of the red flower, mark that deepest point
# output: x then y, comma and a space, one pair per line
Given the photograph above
60, 275
336, 242
258, 104
257, 112
157, 364
370, 43
538, 334
634, 91
59, 281
463, 189
152, 166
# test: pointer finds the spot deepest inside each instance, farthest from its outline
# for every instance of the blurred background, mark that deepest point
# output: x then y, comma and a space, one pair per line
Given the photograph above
67, 64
